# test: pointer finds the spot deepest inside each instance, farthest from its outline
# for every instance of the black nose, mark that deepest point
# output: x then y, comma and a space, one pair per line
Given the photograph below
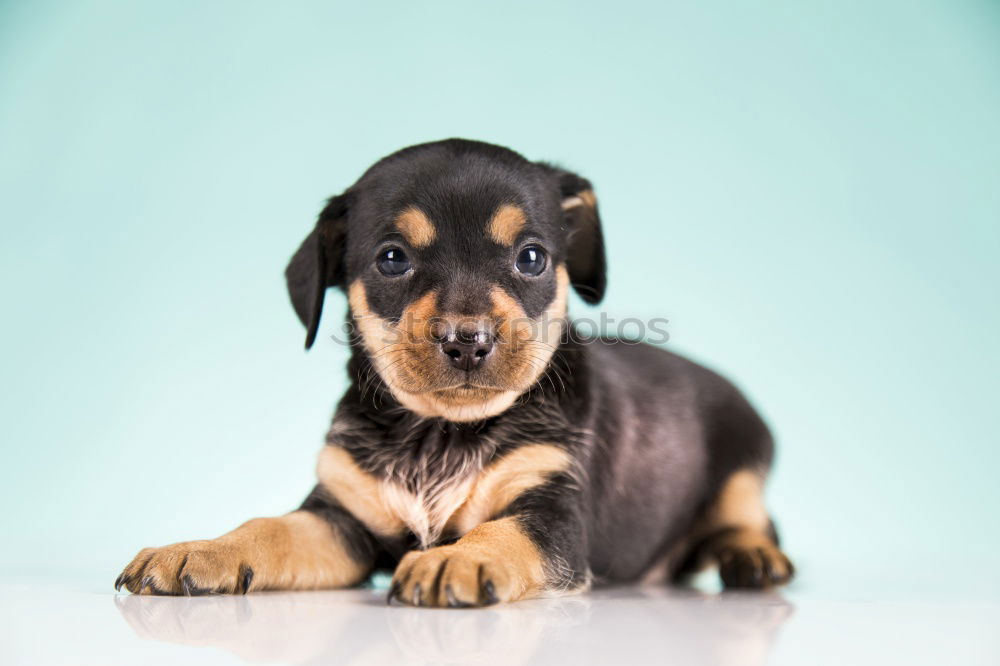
467, 348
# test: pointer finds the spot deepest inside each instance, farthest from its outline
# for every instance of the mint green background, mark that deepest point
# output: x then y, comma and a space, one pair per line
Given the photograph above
809, 192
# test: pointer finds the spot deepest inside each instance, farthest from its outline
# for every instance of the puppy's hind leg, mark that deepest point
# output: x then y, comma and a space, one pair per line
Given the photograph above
736, 533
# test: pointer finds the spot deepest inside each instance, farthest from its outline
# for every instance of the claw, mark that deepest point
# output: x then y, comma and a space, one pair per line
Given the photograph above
246, 578
147, 581
119, 582
416, 594
393, 592
190, 589
757, 572
769, 571
489, 594
453, 601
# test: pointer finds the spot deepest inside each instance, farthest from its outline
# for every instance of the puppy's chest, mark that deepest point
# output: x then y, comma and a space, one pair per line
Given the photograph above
432, 504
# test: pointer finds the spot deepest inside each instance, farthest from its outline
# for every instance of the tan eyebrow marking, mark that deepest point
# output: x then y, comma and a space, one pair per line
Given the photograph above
416, 227
506, 224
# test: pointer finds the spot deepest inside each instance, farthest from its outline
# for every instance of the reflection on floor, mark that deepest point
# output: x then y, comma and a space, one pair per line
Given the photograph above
42, 624
319, 627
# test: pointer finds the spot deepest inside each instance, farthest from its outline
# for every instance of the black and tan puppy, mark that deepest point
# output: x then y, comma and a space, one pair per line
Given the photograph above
483, 450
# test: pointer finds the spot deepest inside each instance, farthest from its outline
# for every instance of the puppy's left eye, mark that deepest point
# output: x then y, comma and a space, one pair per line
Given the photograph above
531, 260
392, 262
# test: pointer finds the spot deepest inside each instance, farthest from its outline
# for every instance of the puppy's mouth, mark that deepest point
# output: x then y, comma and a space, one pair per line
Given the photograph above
466, 395
421, 370
429, 378
471, 384
469, 388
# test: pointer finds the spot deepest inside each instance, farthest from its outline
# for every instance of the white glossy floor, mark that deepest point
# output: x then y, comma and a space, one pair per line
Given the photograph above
48, 624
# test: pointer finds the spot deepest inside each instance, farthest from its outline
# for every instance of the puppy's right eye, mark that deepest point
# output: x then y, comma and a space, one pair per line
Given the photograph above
531, 260
392, 262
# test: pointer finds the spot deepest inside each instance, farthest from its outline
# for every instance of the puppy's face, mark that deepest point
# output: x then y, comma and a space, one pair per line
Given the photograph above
457, 258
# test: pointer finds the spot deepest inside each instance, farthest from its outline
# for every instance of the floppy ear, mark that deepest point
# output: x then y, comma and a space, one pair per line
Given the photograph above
585, 257
318, 264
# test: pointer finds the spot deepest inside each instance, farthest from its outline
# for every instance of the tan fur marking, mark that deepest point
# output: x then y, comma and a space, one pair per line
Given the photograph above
506, 224
297, 551
400, 352
734, 533
419, 315
387, 508
459, 405
585, 198
405, 356
504, 539
506, 479
747, 539
740, 502
497, 552
416, 227
359, 492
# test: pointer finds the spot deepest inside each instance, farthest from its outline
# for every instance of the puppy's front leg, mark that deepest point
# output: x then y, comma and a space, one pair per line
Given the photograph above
318, 546
535, 549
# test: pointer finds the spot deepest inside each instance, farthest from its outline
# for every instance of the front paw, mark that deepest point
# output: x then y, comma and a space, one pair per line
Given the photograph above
188, 568
456, 576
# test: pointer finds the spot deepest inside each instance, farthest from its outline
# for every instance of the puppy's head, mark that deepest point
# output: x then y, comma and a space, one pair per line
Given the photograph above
456, 257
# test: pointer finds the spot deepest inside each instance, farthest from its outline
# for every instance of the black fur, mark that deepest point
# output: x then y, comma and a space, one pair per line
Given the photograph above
653, 436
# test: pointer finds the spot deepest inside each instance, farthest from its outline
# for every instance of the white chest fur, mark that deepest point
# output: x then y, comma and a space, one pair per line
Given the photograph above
458, 504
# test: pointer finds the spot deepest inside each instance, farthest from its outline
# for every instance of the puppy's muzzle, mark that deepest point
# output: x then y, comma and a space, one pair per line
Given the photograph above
467, 347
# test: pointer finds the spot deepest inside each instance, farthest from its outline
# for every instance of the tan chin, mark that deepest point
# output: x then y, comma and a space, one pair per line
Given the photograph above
459, 405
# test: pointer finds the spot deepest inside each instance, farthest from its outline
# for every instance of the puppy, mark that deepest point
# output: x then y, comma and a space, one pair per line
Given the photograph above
485, 450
